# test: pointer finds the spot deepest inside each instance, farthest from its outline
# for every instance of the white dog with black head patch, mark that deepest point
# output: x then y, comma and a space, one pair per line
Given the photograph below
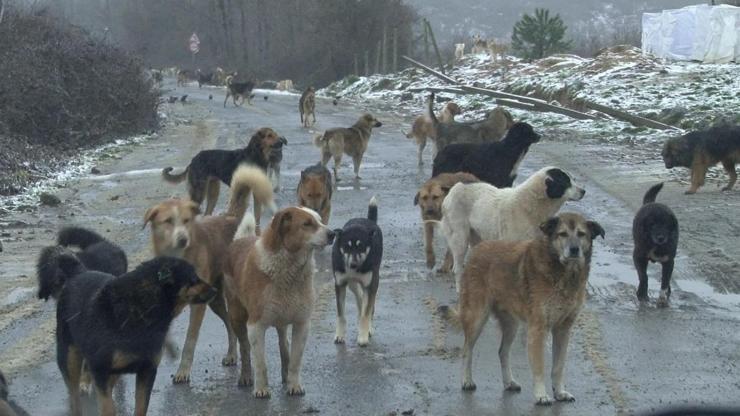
478, 211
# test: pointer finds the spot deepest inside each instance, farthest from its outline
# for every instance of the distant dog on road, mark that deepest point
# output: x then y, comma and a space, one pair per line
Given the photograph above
459, 51
479, 211
429, 199
238, 90
490, 129
496, 163
700, 150
204, 78
96, 253
356, 257
541, 282
118, 324
655, 233
315, 190
307, 106
353, 141
423, 128
210, 167
269, 283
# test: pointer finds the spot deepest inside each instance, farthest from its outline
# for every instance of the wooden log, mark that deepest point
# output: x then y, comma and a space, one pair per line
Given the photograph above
630, 118
436, 49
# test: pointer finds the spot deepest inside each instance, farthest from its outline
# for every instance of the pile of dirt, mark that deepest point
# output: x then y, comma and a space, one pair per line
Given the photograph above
61, 90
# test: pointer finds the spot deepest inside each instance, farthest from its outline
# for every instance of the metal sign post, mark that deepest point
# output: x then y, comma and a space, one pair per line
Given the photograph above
194, 46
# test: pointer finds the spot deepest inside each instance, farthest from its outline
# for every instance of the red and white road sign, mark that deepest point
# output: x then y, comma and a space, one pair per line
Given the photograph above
194, 43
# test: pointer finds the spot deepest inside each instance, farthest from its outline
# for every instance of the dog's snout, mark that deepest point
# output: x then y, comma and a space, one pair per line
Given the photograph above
330, 236
378, 124
182, 242
574, 251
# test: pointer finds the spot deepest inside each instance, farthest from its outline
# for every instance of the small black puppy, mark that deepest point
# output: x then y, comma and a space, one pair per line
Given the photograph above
356, 257
118, 325
496, 163
655, 232
96, 253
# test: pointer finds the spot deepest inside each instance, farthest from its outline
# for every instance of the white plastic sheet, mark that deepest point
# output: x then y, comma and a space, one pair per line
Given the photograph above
710, 34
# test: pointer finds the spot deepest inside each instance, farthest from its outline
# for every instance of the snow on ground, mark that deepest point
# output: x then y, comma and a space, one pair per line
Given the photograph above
686, 95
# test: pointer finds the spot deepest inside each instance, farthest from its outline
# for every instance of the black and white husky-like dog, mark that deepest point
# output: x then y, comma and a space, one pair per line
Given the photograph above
356, 256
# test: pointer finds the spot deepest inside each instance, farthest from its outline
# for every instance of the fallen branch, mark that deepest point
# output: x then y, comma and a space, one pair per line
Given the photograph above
635, 120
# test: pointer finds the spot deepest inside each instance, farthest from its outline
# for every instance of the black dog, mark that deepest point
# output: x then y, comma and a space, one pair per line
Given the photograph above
496, 163
204, 78
356, 256
655, 232
96, 253
208, 167
118, 325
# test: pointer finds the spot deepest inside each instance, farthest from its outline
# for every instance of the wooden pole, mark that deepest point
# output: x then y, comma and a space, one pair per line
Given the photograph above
367, 63
385, 50
395, 49
426, 42
436, 49
357, 70
377, 57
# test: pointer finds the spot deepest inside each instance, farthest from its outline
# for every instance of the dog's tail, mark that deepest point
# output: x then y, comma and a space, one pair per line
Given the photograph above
372, 210
652, 193
319, 140
451, 315
169, 177
54, 267
79, 237
432, 116
247, 227
248, 180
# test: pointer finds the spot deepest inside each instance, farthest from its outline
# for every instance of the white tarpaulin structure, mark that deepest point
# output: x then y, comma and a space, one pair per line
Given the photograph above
710, 34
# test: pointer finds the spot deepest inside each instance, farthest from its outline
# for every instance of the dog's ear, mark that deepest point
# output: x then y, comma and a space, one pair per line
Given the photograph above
337, 233
149, 216
548, 227
416, 199
596, 229
283, 140
278, 228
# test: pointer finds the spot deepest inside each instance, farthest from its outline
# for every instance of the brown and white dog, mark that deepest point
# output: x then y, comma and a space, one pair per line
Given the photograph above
203, 241
423, 128
307, 106
269, 283
540, 281
315, 190
353, 141
429, 199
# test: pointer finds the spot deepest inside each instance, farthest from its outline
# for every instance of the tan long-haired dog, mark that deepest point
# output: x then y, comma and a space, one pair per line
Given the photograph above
269, 283
542, 282
315, 190
423, 128
353, 141
203, 242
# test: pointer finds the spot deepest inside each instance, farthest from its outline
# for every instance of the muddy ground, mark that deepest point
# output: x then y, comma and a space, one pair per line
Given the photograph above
624, 357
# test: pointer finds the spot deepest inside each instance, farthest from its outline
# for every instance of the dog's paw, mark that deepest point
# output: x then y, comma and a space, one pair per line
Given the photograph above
662, 301
543, 400
512, 386
295, 390
469, 386
430, 262
229, 360
564, 396
689, 192
181, 377
262, 393
339, 339
363, 341
245, 380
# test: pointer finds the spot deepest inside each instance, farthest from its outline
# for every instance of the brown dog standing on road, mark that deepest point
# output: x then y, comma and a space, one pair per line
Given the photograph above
269, 283
203, 242
423, 128
542, 282
429, 199
307, 106
315, 190
352, 141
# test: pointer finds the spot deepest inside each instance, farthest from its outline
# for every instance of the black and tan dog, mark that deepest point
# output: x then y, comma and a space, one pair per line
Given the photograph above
315, 190
238, 90
655, 233
353, 141
307, 106
209, 167
95, 252
490, 129
542, 282
496, 163
429, 199
700, 150
118, 325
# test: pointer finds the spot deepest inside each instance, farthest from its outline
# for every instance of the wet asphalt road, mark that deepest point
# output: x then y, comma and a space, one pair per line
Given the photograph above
624, 357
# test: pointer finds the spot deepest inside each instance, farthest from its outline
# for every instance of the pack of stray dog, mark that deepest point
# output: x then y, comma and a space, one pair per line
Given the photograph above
512, 254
